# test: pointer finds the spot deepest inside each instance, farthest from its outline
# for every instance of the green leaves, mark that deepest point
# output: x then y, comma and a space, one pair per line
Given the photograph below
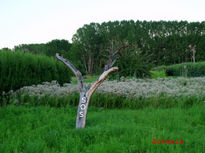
159, 42
20, 69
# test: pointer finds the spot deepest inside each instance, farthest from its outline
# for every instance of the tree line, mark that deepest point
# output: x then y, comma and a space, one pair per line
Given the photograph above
157, 43
49, 49
151, 43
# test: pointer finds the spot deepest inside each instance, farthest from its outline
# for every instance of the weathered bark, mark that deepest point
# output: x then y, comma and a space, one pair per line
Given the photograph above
84, 94
82, 111
192, 49
89, 65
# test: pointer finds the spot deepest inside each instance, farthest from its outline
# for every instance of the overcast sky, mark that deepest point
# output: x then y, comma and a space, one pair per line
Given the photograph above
40, 21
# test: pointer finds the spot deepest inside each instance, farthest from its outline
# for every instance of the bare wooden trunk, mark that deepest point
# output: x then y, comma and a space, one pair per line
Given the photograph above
194, 52
90, 65
82, 111
85, 95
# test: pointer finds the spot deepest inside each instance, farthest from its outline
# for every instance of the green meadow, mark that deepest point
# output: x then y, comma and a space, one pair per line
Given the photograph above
45, 129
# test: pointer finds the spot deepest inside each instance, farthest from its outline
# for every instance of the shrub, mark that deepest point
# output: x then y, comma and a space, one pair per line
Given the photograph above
131, 93
186, 69
131, 64
20, 69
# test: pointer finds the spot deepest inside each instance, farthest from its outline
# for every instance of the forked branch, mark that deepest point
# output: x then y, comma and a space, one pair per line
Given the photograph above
84, 95
74, 70
100, 80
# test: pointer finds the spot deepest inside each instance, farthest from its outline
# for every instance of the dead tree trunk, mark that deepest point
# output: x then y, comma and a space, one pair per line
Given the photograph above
85, 95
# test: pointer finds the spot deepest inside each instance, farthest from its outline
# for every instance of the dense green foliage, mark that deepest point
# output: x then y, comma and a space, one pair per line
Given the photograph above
186, 69
63, 47
20, 69
51, 130
159, 43
131, 64
155, 43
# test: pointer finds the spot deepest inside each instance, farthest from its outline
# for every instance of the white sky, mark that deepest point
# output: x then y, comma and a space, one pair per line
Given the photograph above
40, 21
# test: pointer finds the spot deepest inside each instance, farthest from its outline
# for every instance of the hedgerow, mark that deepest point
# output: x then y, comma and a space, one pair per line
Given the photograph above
186, 69
20, 69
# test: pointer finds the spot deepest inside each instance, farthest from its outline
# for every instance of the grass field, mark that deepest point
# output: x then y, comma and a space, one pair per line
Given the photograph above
159, 108
52, 130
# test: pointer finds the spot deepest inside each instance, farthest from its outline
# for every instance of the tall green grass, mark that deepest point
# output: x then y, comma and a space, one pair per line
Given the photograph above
20, 69
108, 101
52, 130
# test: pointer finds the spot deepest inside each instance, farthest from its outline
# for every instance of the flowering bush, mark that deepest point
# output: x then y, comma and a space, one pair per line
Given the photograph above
132, 93
132, 88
